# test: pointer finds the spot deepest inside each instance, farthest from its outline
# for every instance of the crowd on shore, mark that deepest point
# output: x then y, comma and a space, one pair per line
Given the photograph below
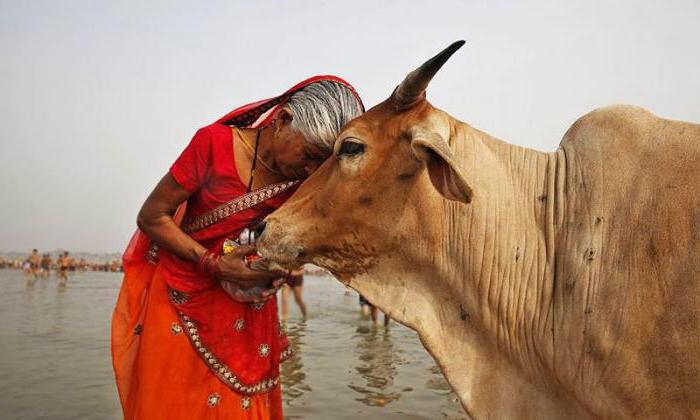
41, 265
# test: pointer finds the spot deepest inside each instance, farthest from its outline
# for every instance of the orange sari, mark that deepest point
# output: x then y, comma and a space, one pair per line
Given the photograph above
158, 373
181, 347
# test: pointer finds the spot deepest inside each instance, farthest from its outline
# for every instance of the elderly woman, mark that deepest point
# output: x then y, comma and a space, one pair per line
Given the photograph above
193, 336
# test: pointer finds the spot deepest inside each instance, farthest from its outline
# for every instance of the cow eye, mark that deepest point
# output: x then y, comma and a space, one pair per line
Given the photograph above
350, 148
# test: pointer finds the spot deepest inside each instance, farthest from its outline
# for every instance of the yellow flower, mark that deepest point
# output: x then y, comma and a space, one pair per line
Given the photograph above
229, 246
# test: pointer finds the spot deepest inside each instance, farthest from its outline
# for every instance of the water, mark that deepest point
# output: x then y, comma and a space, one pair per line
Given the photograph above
55, 361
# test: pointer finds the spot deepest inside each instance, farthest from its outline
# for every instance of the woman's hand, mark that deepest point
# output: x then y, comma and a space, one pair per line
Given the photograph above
252, 295
232, 268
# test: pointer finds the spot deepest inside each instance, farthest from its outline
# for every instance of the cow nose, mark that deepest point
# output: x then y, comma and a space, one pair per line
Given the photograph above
259, 228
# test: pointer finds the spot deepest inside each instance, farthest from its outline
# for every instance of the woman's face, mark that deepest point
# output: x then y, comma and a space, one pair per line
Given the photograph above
295, 157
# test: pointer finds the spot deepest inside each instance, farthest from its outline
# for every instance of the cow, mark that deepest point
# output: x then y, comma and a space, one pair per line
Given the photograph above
545, 285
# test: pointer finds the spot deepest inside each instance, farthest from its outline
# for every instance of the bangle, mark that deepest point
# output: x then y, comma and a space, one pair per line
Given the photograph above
208, 263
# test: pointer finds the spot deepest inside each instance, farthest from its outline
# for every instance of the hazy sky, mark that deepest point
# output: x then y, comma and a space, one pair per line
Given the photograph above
98, 98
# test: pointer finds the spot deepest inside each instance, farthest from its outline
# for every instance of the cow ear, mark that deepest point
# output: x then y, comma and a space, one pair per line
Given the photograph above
432, 148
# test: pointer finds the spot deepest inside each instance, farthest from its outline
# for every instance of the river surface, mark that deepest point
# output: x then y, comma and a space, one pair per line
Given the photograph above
55, 362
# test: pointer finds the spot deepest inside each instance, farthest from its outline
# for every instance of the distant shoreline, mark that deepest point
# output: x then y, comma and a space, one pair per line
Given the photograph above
88, 256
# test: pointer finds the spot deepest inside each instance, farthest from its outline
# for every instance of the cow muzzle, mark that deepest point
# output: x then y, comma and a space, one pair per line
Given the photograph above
278, 245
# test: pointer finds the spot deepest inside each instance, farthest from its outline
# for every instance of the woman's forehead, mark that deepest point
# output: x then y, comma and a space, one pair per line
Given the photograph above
315, 151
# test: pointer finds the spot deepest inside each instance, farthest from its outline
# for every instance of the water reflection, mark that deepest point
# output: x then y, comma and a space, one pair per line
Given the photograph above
436, 381
376, 364
345, 367
292, 371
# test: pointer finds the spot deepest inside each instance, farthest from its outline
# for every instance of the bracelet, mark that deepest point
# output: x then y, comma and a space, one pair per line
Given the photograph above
208, 263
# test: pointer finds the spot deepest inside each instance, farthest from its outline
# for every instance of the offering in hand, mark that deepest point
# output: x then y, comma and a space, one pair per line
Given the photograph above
253, 260
246, 237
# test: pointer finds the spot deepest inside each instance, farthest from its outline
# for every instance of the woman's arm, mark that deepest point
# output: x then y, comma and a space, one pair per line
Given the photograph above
156, 220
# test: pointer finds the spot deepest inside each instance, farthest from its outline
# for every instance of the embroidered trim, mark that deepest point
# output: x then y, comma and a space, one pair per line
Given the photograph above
152, 254
241, 203
221, 370
248, 118
177, 297
257, 305
239, 325
213, 399
286, 354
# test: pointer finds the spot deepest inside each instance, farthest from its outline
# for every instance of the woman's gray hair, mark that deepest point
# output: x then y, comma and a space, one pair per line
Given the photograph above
321, 109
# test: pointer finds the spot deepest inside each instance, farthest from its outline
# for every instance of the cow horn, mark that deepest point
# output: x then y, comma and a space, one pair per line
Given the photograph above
412, 89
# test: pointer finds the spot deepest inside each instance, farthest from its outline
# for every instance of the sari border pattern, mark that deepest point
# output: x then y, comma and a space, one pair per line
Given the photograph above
241, 203
220, 369
177, 297
152, 254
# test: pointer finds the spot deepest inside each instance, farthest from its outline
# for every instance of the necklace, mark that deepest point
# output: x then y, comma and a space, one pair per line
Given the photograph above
254, 150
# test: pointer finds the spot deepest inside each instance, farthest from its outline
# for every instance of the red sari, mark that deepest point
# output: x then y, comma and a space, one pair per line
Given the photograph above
181, 347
